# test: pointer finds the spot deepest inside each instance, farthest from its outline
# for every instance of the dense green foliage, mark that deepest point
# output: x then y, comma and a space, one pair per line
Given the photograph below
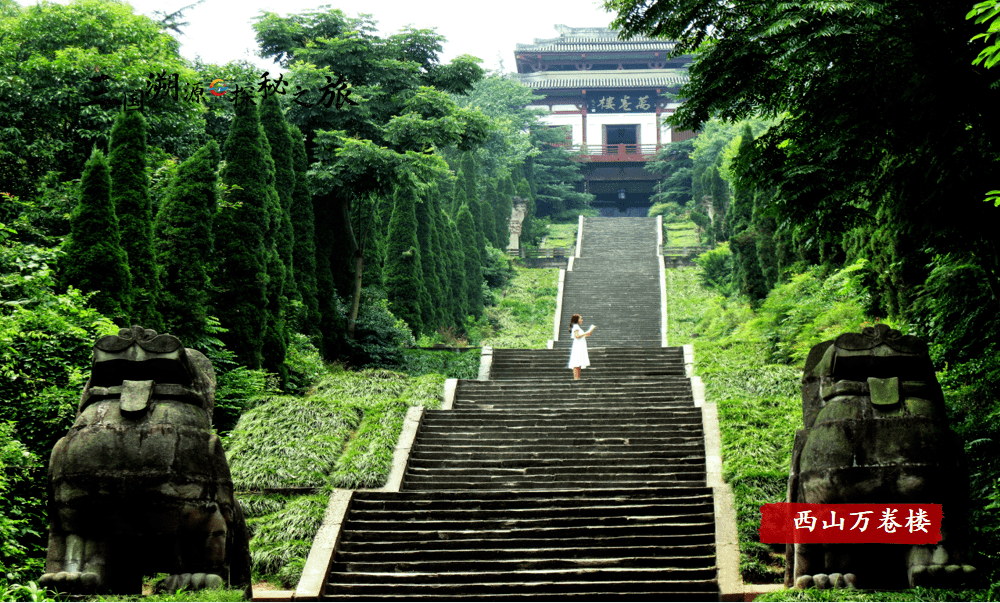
404, 274
184, 243
130, 199
53, 112
241, 277
95, 259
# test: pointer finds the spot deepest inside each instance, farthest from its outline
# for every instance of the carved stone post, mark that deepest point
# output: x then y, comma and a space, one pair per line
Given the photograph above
516, 218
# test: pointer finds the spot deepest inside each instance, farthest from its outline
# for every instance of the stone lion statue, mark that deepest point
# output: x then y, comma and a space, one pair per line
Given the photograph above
876, 432
140, 484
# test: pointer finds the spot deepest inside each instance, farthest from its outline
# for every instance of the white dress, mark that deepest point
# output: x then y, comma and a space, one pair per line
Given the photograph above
578, 356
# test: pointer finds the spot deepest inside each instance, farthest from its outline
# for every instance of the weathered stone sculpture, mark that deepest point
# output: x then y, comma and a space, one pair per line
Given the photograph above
876, 432
140, 484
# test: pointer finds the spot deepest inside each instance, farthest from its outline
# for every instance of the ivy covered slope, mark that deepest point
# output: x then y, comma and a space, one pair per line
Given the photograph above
751, 362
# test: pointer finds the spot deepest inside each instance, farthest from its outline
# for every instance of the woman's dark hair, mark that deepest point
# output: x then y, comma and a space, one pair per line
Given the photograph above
575, 319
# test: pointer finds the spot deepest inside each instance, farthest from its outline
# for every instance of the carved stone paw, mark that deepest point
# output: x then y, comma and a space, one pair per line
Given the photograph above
71, 582
198, 581
824, 581
937, 575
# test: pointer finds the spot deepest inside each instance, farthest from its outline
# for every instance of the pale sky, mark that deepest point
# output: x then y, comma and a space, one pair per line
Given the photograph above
220, 31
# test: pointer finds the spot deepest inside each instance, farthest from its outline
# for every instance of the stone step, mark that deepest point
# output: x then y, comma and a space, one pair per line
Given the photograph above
695, 450
689, 551
637, 538
549, 563
701, 527
494, 510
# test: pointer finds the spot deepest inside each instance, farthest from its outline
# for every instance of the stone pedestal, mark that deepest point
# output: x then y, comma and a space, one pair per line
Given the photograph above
517, 215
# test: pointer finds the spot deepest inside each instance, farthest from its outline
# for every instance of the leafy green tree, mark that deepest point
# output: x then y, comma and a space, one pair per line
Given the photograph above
304, 228
403, 272
674, 163
130, 196
473, 265
748, 278
893, 160
556, 176
95, 260
184, 244
241, 277
55, 105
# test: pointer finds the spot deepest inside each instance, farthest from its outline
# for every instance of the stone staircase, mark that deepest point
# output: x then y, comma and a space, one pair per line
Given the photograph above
615, 284
536, 486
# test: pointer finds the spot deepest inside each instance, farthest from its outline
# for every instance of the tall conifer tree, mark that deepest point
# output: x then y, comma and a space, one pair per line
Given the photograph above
442, 260
130, 195
473, 267
432, 286
304, 227
184, 244
240, 231
278, 137
95, 260
457, 274
403, 275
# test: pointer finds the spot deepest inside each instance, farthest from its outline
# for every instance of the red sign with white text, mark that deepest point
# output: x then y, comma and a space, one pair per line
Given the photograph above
886, 523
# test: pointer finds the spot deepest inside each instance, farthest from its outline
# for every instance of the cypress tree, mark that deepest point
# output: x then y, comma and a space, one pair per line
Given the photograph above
767, 250
456, 274
374, 267
429, 314
505, 207
470, 181
473, 268
490, 216
524, 193
304, 252
184, 244
240, 230
476, 211
331, 321
130, 196
278, 137
440, 260
458, 199
403, 274
95, 260
275, 332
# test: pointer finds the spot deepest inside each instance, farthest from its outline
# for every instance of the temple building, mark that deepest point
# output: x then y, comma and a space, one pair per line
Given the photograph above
613, 95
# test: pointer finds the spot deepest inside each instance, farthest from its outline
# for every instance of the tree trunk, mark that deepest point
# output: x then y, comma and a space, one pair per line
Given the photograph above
359, 265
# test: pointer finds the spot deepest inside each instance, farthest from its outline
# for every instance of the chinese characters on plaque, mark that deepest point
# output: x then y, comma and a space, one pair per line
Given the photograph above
887, 523
632, 101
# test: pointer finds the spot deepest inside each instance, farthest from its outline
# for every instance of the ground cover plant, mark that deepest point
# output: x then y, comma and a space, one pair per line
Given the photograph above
751, 364
680, 234
341, 435
523, 316
561, 235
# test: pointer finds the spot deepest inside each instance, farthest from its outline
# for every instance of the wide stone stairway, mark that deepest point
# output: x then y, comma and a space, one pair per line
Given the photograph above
615, 284
536, 486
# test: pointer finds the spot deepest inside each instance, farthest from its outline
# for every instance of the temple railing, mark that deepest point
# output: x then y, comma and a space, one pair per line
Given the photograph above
690, 251
555, 252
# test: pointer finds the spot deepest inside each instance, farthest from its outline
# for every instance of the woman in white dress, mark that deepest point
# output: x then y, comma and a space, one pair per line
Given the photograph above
578, 358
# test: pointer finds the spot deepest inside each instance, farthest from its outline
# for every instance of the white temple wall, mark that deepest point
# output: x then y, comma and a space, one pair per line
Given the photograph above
574, 121
597, 121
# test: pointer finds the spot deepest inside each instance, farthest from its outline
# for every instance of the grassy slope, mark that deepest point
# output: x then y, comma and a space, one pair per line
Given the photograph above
523, 318
758, 399
561, 235
343, 432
